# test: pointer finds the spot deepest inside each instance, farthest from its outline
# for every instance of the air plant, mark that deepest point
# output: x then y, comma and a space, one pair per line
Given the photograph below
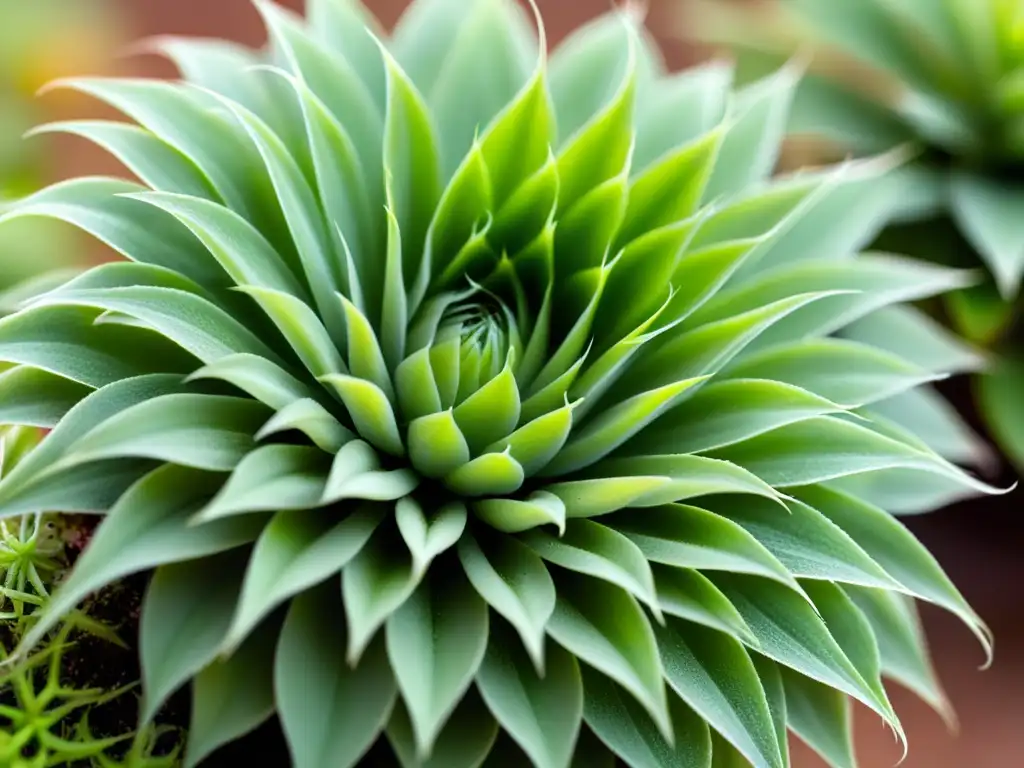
30, 553
454, 390
39, 714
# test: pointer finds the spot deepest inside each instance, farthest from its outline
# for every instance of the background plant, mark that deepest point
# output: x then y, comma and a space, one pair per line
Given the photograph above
948, 77
533, 353
43, 710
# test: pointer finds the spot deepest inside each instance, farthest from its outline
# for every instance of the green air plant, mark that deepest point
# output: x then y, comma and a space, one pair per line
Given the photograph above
49, 725
32, 549
30, 552
41, 718
27, 554
948, 77
462, 396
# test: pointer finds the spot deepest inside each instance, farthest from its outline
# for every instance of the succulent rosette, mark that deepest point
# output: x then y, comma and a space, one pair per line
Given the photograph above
461, 396
946, 76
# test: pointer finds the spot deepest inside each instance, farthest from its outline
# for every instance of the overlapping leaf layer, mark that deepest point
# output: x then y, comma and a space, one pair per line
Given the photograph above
459, 396
947, 76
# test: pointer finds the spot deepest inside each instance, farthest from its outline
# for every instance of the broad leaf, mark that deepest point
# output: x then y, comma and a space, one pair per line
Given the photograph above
805, 541
373, 586
713, 674
690, 595
602, 552
330, 711
185, 616
515, 583
436, 641
34, 397
464, 742
272, 477
826, 448
901, 644
148, 527
891, 545
689, 537
296, 551
628, 730
428, 535
987, 211
542, 714
789, 631
201, 431
231, 697
603, 626
822, 717
726, 412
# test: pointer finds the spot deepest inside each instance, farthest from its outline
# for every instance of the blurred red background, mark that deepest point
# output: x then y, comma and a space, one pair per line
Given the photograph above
979, 542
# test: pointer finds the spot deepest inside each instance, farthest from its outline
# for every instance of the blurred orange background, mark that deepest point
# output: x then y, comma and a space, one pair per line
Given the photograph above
980, 543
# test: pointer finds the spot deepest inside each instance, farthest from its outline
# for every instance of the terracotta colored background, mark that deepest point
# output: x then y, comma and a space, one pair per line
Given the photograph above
979, 543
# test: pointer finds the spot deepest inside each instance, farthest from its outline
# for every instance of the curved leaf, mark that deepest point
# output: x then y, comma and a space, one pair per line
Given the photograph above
805, 541
826, 448
190, 321
436, 641
331, 712
66, 342
148, 527
185, 615
689, 537
231, 697
601, 552
202, 431
713, 674
822, 717
33, 397
271, 478
599, 437
374, 585
790, 632
542, 714
313, 420
629, 731
901, 644
690, 595
843, 372
515, 583
891, 545
371, 412
429, 536
603, 626
296, 551
517, 515
726, 412
411, 159
261, 378
464, 742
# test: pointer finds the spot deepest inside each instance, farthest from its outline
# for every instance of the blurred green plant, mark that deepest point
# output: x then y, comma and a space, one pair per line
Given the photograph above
946, 76
455, 390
